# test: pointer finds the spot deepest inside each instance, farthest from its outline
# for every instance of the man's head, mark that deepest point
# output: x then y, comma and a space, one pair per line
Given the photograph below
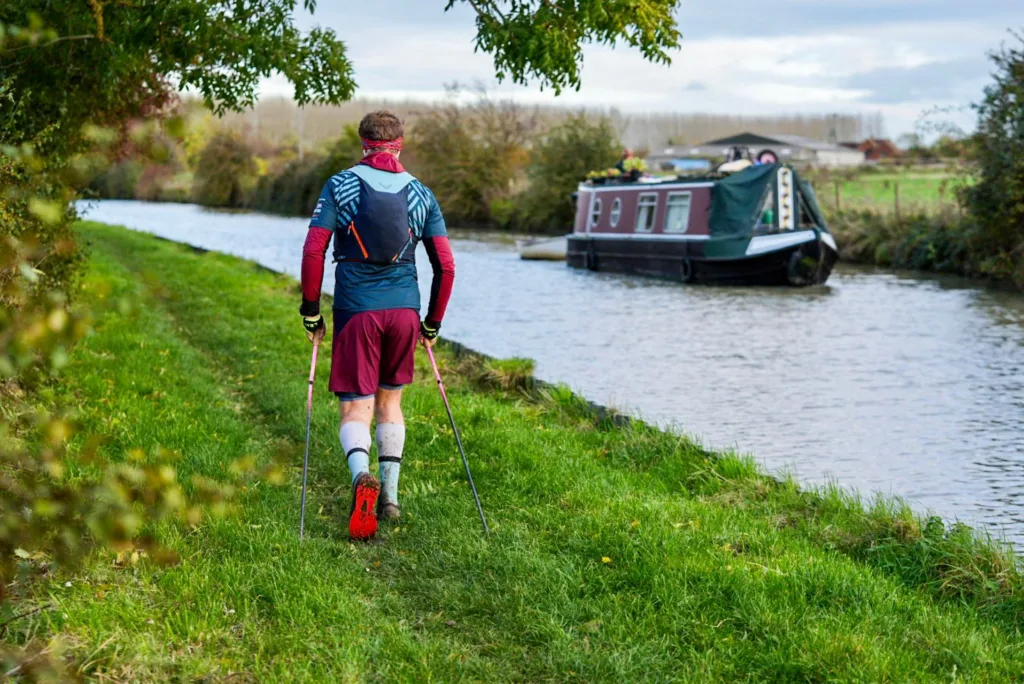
627, 153
381, 131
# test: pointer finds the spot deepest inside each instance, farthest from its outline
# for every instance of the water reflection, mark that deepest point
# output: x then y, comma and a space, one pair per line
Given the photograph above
900, 383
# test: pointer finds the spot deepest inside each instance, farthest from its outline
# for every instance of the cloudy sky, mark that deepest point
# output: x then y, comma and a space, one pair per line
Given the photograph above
897, 57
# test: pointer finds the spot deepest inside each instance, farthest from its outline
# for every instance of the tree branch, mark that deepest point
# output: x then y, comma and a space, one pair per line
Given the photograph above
62, 39
97, 13
480, 12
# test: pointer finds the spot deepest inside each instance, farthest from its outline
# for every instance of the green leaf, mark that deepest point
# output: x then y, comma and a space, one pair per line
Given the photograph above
47, 211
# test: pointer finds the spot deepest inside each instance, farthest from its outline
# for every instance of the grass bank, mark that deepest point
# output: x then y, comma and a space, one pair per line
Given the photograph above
619, 552
946, 241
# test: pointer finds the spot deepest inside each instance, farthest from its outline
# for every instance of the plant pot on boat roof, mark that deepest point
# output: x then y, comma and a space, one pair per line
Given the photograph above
634, 168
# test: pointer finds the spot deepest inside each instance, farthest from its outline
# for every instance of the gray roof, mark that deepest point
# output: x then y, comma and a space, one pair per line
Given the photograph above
779, 142
809, 143
756, 139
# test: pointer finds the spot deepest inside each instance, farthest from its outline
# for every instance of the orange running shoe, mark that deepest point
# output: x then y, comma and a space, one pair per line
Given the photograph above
362, 522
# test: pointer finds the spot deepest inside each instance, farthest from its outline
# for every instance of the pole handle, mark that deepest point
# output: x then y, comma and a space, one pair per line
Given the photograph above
312, 365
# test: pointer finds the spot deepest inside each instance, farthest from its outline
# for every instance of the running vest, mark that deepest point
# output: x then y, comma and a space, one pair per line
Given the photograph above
380, 232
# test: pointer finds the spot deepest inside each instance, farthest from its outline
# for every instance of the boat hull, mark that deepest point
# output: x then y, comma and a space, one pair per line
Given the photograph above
776, 261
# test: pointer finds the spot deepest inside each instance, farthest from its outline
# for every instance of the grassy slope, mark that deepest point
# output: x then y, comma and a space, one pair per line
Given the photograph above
714, 571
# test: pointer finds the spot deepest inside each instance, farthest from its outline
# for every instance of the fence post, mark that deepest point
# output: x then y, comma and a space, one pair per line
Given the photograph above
896, 187
839, 206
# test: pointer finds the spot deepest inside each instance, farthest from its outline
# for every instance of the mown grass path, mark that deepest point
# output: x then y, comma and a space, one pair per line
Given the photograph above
617, 553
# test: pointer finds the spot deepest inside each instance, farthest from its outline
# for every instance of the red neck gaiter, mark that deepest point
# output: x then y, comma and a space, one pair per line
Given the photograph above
383, 161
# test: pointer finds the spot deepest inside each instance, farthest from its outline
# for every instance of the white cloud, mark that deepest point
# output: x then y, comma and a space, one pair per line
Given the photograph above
794, 56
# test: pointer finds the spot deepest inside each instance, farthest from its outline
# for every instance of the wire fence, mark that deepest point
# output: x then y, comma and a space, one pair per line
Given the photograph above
929, 194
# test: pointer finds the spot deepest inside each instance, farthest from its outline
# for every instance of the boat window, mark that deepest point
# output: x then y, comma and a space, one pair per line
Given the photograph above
595, 212
806, 218
677, 215
766, 215
645, 211
616, 212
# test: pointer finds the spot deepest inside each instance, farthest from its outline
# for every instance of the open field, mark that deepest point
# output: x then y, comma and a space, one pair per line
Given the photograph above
886, 192
618, 553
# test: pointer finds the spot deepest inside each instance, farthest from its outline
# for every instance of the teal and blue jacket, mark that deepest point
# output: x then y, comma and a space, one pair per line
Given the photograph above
377, 213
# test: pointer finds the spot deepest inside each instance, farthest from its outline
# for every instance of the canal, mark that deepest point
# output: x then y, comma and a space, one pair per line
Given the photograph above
897, 383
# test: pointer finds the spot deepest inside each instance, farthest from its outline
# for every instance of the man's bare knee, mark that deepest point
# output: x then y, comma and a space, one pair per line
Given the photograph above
389, 406
360, 410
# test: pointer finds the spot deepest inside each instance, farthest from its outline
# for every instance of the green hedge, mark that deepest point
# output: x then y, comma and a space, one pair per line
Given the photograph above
293, 188
945, 242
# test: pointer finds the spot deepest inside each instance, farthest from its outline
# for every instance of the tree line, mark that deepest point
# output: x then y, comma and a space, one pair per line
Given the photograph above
279, 119
491, 163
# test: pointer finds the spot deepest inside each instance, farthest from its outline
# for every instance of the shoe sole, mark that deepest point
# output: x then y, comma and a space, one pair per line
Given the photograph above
362, 524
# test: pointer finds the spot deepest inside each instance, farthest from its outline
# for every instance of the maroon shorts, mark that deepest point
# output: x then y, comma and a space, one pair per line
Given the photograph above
371, 350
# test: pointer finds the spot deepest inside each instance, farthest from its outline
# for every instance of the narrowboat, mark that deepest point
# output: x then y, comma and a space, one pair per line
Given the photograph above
759, 226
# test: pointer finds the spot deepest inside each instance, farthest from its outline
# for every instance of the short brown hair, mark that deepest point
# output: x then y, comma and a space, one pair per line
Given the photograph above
381, 125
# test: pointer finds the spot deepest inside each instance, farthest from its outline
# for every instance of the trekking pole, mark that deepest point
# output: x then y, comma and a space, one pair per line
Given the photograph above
458, 440
305, 458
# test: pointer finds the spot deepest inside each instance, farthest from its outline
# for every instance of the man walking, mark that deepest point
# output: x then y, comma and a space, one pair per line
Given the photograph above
377, 213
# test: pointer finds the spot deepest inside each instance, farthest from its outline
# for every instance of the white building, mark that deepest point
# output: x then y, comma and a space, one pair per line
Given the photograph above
785, 148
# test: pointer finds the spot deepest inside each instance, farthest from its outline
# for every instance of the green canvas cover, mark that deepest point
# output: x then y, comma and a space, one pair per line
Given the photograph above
807, 192
736, 200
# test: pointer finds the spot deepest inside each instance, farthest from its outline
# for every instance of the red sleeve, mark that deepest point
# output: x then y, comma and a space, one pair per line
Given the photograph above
313, 253
439, 251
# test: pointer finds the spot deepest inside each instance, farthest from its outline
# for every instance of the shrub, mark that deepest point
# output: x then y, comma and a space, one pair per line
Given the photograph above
38, 255
472, 156
119, 181
926, 241
563, 158
996, 200
226, 174
177, 188
293, 189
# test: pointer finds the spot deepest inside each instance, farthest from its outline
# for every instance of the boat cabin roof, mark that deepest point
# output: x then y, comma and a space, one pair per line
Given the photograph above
655, 182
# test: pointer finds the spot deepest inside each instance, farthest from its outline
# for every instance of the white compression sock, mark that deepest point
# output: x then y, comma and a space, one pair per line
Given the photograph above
355, 440
390, 442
